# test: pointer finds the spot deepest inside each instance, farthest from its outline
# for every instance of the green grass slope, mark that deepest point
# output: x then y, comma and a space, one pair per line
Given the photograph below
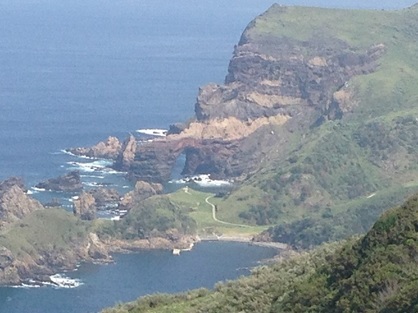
341, 167
51, 231
375, 273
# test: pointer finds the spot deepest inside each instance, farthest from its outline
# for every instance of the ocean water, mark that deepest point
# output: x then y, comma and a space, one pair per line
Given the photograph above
138, 274
74, 72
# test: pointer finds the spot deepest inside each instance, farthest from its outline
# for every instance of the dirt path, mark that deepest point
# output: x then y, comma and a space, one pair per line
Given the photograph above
219, 221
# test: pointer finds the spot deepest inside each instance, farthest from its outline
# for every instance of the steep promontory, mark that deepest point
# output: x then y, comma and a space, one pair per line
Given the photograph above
316, 122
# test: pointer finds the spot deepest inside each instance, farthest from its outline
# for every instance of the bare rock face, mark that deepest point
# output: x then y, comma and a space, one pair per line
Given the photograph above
8, 273
108, 149
70, 182
96, 249
276, 76
105, 197
142, 191
14, 202
127, 153
85, 206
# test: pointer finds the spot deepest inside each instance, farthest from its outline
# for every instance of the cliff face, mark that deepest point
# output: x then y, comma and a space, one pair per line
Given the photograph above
275, 84
284, 76
14, 202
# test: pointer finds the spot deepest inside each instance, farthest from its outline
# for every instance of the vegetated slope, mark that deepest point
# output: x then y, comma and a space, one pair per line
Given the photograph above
156, 216
352, 150
43, 242
376, 273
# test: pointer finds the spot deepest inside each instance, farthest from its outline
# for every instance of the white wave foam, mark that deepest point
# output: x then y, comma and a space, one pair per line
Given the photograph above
56, 281
92, 176
90, 167
153, 132
203, 180
94, 184
30, 192
76, 155
62, 281
35, 189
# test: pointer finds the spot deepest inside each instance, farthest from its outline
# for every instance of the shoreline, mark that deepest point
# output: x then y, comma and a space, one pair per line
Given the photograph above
275, 245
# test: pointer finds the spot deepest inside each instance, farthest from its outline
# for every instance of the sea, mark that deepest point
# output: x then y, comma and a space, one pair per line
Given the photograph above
73, 73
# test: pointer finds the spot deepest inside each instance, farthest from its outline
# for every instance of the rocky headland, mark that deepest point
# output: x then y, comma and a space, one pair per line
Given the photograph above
315, 122
274, 86
37, 242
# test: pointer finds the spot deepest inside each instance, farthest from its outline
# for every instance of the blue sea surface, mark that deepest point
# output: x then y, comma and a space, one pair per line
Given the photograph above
74, 72
138, 274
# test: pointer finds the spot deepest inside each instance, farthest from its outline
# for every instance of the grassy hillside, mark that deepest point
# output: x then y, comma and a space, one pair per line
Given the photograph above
153, 217
376, 273
52, 231
340, 167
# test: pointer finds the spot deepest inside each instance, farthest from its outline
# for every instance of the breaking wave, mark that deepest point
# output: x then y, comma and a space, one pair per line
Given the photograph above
153, 132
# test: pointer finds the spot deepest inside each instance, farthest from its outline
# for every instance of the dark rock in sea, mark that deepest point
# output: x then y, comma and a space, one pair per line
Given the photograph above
176, 128
105, 197
70, 182
85, 206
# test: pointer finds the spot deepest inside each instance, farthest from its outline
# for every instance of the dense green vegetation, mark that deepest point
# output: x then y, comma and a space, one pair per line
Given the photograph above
52, 231
153, 217
325, 177
375, 273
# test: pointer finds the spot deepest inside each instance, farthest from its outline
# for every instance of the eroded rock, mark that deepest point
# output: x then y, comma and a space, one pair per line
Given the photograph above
142, 191
85, 206
108, 149
70, 182
14, 202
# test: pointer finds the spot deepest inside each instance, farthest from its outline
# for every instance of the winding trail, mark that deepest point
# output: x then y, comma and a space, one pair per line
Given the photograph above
219, 221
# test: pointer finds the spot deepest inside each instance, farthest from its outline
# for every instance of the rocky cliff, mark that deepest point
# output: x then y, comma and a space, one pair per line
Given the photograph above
108, 149
14, 202
37, 242
275, 84
316, 122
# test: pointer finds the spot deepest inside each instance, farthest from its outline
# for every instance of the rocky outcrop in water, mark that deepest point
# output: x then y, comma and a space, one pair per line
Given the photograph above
70, 182
142, 191
85, 206
108, 149
105, 197
127, 153
14, 202
275, 85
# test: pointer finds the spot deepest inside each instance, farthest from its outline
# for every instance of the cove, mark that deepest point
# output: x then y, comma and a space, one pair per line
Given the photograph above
138, 274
